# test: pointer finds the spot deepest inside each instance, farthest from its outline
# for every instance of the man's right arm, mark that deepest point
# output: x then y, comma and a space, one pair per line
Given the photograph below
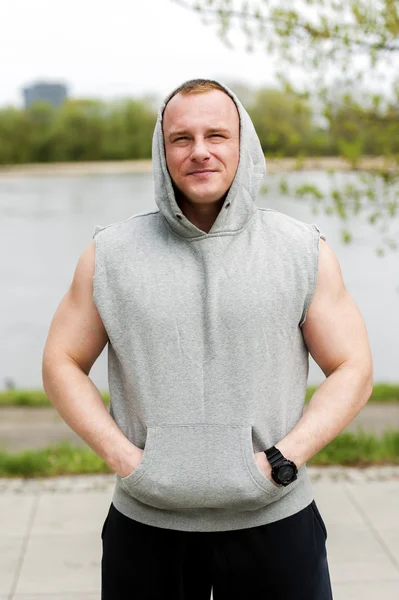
75, 340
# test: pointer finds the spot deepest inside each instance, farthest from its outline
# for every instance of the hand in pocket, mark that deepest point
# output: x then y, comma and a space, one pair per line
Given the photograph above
130, 464
265, 467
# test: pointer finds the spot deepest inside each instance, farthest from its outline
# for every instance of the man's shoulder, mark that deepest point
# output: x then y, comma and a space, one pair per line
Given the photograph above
125, 225
292, 228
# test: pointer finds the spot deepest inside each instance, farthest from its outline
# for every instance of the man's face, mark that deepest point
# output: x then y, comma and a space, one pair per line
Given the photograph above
202, 144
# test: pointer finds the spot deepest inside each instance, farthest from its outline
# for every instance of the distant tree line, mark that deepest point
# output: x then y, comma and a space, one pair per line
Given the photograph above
287, 125
79, 130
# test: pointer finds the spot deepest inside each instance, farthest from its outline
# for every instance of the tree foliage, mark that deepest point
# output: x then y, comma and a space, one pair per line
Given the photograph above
346, 53
286, 123
79, 130
282, 121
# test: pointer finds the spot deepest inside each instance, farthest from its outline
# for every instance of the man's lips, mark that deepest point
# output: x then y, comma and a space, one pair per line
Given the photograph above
201, 171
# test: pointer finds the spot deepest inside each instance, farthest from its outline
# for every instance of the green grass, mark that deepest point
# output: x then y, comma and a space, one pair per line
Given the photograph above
360, 449
385, 392
349, 449
62, 459
382, 392
32, 398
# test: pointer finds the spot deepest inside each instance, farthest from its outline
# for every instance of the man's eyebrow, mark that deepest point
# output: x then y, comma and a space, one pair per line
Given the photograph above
218, 130
177, 132
180, 132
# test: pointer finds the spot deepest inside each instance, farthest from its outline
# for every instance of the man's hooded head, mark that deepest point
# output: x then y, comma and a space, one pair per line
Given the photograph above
206, 151
201, 130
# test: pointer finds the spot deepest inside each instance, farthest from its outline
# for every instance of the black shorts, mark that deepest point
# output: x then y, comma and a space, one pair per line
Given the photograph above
284, 560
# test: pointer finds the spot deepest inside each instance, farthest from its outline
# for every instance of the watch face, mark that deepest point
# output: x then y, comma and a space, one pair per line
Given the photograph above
285, 473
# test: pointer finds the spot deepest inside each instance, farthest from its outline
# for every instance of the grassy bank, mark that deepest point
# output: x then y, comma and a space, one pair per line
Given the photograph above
61, 459
348, 449
32, 398
382, 392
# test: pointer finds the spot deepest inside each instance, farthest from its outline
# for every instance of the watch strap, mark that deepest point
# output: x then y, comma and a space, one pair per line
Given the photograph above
277, 459
274, 455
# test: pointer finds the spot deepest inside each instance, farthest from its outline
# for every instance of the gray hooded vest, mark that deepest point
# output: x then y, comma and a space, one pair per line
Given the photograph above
206, 359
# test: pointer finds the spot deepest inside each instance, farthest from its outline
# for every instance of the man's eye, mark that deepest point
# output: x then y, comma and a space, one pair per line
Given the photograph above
183, 137
216, 135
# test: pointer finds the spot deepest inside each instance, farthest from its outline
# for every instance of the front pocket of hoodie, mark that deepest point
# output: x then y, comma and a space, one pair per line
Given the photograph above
200, 466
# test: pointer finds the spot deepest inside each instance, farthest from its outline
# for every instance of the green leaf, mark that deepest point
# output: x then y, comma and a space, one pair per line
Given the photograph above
346, 236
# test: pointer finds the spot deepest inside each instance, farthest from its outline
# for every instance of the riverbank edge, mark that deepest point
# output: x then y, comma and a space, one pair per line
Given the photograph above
383, 393
119, 167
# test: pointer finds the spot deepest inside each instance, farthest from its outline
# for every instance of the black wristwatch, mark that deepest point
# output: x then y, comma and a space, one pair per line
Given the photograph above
284, 471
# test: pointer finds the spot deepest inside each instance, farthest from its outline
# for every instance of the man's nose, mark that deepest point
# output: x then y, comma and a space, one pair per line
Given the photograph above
200, 150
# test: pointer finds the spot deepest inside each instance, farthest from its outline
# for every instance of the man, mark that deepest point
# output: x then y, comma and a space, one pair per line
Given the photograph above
210, 307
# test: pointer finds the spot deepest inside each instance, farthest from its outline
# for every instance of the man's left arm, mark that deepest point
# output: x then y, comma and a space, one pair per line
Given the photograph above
336, 336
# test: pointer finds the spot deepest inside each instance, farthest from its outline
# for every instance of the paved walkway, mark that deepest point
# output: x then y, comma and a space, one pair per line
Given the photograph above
50, 545
28, 428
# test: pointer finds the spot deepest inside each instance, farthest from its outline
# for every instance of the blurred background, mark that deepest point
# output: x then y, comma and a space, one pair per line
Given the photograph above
80, 85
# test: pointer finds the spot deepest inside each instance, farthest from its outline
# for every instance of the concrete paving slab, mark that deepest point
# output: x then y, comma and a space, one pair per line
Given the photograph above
390, 537
386, 590
61, 564
355, 555
334, 504
63, 554
52, 596
379, 503
11, 547
15, 515
71, 514
63, 484
379, 507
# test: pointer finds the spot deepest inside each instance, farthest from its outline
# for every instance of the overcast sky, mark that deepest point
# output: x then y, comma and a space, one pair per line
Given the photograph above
110, 49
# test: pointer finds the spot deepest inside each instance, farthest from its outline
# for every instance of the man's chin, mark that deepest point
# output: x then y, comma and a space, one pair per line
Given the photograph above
205, 196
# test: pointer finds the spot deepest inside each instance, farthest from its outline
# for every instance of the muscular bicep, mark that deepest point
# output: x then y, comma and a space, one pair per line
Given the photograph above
76, 330
334, 330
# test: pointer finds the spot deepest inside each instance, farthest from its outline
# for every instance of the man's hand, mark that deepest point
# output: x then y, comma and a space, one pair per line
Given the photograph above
336, 337
129, 462
76, 338
265, 467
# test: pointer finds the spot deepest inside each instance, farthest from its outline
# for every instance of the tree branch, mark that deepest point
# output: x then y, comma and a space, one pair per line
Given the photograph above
304, 27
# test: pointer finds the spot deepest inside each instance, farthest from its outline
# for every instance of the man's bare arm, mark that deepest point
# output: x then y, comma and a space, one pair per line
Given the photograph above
336, 336
75, 340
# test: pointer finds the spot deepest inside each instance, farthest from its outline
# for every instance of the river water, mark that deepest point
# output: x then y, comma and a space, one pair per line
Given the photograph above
46, 222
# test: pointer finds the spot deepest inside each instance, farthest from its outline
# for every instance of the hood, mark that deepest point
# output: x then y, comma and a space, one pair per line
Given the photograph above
239, 204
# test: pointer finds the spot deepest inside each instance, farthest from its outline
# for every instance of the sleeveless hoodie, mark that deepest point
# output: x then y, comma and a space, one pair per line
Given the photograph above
206, 359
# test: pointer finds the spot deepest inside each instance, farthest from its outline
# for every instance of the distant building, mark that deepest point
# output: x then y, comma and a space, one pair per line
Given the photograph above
53, 93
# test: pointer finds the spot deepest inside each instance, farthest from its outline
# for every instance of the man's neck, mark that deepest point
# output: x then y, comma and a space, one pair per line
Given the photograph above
202, 216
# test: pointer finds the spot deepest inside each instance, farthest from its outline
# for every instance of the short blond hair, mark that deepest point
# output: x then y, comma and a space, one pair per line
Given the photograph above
197, 86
